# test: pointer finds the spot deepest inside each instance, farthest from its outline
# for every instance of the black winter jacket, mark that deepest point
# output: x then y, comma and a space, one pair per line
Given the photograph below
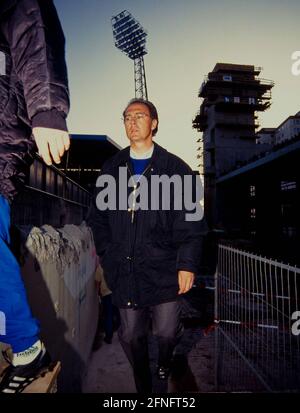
141, 259
33, 87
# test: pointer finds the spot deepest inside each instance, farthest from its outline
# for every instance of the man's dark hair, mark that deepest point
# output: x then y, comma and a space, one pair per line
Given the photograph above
150, 106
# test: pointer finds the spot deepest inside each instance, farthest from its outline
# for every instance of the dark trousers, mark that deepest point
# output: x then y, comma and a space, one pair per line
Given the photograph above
133, 332
111, 317
107, 315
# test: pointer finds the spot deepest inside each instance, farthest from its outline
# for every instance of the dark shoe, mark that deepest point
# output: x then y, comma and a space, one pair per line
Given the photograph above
107, 339
143, 381
97, 343
14, 379
162, 372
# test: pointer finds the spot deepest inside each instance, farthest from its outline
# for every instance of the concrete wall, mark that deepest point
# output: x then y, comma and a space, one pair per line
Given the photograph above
58, 267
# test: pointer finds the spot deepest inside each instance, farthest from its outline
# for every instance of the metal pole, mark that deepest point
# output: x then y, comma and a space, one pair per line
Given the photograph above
140, 78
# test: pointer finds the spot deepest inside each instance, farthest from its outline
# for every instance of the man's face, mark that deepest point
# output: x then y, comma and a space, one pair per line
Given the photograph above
138, 123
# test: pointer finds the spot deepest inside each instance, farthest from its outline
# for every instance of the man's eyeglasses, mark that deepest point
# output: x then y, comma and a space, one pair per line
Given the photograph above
137, 117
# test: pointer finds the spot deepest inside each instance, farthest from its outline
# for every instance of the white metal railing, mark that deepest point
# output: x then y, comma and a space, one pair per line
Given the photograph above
257, 311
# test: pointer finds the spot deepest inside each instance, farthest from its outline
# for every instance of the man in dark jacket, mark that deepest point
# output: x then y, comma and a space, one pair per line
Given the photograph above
149, 253
34, 102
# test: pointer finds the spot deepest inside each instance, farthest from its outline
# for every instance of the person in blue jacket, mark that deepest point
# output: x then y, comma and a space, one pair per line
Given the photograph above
34, 102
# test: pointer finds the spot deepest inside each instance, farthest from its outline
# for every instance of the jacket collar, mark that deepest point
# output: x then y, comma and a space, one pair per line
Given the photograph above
158, 157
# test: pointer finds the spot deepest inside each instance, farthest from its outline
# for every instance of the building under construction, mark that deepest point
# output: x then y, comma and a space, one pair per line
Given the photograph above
232, 95
251, 179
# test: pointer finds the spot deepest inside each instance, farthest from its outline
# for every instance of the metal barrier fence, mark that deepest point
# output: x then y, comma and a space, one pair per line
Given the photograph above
257, 311
50, 197
50, 180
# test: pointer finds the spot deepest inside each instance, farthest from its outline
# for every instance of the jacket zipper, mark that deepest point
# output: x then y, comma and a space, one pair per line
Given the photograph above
130, 301
134, 189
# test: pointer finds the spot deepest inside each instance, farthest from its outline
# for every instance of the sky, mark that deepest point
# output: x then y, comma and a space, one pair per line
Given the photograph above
186, 38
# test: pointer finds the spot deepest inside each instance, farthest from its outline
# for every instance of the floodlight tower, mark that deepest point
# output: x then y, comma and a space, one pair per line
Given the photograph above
130, 38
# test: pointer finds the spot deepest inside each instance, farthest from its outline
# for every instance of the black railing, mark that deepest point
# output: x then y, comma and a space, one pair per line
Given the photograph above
50, 197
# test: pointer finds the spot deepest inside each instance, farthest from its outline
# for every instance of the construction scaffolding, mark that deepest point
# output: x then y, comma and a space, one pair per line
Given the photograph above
258, 323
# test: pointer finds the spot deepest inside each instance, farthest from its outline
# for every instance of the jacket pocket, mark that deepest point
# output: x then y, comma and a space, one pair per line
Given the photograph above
159, 266
160, 256
111, 263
